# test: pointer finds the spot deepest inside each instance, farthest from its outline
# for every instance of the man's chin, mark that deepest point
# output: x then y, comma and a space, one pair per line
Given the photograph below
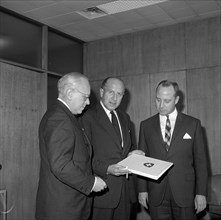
163, 113
112, 107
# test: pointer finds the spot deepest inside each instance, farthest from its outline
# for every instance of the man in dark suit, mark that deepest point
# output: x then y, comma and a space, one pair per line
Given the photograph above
182, 192
66, 178
109, 148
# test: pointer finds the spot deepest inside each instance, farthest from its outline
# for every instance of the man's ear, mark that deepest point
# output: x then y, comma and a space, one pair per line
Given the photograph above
101, 92
177, 99
69, 93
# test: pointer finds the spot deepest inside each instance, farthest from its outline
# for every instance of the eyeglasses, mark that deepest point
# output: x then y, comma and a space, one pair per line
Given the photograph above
86, 96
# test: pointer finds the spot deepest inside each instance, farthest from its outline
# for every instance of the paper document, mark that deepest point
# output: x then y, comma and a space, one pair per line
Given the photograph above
146, 166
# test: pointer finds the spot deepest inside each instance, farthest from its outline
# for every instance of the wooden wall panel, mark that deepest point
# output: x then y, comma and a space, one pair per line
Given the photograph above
22, 104
129, 62
95, 92
172, 47
97, 59
204, 102
137, 100
133, 54
203, 43
150, 51
116, 56
163, 49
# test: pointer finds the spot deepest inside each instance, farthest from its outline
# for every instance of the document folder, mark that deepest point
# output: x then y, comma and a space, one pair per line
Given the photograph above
146, 166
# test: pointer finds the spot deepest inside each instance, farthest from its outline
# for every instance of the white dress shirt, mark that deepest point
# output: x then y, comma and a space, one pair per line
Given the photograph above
110, 118
163, 118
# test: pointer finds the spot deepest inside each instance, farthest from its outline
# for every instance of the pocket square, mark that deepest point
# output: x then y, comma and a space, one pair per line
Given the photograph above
187, 136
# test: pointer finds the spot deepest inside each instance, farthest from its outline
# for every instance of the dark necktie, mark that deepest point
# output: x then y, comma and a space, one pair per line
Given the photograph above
116, 125
167, 133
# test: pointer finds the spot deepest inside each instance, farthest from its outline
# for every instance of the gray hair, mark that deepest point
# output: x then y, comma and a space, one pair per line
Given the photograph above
69, 80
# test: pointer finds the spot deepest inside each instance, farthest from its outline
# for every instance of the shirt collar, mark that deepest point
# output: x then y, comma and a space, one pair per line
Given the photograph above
105, 109
172, 115
64, 103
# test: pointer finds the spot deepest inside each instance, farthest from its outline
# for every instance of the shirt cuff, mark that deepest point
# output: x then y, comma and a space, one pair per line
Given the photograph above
95, 181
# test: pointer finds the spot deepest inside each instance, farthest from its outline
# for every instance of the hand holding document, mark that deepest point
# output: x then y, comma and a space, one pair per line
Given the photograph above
117, 170
146, 166
140, 152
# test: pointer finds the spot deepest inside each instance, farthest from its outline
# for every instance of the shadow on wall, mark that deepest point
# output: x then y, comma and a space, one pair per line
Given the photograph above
180, 105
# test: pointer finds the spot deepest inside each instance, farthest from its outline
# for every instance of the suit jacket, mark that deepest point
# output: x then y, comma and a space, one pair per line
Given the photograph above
107, 150
189, 175
66, 178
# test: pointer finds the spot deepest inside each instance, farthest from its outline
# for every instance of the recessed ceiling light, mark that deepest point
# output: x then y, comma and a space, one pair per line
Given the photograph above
116, 7
121, 6
93, 12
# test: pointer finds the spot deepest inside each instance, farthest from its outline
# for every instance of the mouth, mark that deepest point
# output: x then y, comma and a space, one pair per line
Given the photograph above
163, 111
113, 103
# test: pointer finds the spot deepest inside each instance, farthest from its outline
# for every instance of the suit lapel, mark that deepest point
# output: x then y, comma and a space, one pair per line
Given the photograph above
125, 130
158, 137
77, 126
106, 124
177, 127
158, 129
123, 126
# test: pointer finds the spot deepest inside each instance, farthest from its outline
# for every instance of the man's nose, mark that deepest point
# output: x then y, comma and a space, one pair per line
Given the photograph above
161, 104
88, 102
115, 96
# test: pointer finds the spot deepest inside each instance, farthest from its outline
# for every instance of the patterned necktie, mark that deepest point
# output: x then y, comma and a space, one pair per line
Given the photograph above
167, 133
116, 125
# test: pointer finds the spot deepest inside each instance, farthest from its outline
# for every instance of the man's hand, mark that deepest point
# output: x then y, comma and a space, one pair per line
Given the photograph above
200, 203
143, 199
99, 185
117, 170
139, 152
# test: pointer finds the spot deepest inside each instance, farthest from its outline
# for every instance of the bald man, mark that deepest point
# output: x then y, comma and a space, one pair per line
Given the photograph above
111, 146
66, 180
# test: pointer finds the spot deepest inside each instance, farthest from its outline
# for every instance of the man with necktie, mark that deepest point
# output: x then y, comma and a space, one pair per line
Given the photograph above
109, 132
175, 137
66, 180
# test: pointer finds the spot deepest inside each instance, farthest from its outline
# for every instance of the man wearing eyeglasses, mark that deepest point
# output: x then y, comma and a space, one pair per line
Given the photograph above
66, 179
111, 145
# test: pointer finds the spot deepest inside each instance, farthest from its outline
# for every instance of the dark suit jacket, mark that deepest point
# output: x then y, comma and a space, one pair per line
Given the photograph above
66, 178
108, 150
188, 176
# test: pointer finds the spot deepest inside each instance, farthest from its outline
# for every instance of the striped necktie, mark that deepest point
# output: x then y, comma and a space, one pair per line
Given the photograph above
167, 133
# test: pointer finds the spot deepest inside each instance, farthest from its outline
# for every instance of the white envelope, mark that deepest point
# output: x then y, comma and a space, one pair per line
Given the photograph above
187, 136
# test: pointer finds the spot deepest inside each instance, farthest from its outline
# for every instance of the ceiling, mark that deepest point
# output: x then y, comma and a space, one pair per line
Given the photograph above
62, 15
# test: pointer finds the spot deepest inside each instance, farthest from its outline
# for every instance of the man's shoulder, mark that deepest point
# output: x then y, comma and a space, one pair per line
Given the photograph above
151, 119
122, 113
55, 116
92, 112
188, 117
54, 110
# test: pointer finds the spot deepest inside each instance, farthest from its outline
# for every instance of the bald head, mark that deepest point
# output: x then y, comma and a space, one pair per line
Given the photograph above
74, 90
111, 92
69, 80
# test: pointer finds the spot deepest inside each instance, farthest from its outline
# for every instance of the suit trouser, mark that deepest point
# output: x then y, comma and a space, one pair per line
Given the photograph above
121, 212
169, 210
